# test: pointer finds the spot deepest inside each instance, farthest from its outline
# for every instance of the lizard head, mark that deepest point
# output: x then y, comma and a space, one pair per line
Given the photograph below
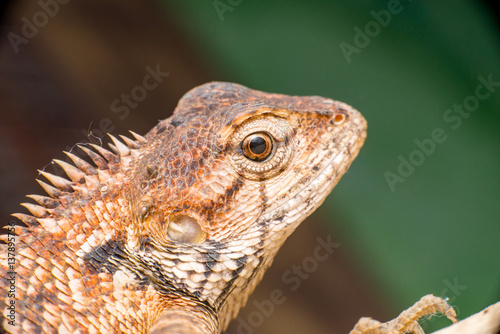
229, 176
232, 160
194, 211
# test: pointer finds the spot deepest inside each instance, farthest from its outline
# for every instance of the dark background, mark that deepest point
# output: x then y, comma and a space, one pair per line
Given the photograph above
436, 232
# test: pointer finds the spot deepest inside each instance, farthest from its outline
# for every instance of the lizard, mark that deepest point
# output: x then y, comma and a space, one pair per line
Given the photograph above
172, 231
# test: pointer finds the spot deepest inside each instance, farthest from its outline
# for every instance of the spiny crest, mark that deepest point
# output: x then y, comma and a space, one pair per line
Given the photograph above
82, 176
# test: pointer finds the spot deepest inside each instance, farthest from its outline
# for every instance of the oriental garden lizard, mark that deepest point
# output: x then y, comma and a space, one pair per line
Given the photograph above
171, 232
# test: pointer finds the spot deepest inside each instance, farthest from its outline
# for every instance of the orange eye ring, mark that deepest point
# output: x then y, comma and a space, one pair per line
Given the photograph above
257, 146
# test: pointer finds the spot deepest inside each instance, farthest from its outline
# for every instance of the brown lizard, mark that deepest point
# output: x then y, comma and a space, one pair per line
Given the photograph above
171, 232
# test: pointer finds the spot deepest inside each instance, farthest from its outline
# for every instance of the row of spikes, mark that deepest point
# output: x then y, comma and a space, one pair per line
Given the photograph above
80, 172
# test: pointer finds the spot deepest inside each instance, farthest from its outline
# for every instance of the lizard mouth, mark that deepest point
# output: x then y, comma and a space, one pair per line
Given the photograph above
329, 171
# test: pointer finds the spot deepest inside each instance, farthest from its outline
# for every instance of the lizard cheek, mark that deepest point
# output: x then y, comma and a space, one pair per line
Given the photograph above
184, 229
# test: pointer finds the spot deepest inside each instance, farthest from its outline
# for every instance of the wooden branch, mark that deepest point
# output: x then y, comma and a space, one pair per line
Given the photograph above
485, 322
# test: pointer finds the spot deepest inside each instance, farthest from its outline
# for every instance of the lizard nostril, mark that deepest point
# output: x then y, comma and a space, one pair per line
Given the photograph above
339, 118
184, 228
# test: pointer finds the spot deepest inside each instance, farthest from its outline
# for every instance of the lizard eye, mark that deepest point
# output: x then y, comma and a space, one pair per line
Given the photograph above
262, 146
257, 146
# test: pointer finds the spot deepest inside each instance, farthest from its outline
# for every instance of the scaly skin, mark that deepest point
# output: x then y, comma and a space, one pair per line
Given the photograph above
173, 231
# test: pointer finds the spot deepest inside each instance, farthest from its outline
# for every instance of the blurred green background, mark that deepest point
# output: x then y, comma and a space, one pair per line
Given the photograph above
433, 230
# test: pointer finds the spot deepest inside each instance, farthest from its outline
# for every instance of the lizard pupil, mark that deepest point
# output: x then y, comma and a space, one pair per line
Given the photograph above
257, 146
